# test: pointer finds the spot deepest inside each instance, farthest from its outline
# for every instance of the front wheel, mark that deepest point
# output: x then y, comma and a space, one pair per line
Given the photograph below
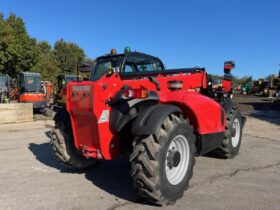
62, 143
162, 163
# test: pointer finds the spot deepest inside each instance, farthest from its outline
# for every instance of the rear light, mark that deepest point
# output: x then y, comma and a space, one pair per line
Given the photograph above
64, 91
136, 93
228, 67
113, 52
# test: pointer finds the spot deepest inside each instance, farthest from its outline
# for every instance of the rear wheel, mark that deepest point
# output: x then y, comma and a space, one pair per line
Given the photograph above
62, 143
233, 133
162, 163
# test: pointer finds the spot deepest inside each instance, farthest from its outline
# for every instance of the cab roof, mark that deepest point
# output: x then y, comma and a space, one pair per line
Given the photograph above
128, 54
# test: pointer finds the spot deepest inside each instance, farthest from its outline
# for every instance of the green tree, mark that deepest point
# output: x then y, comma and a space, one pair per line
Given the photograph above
17, 49
20, 52
46, 64
270, 78
67, 55
24, 49
7, 46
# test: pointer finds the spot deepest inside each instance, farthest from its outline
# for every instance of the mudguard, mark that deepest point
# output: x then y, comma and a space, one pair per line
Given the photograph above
227, 105
121, 115
150, 119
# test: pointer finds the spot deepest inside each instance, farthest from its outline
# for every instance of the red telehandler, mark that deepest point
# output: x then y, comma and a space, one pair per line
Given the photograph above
161, 118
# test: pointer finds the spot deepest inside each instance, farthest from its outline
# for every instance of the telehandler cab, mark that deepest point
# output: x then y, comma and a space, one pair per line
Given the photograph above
161, 118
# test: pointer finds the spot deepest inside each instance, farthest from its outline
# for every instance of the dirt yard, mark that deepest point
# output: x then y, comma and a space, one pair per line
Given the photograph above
250, 103
31, 178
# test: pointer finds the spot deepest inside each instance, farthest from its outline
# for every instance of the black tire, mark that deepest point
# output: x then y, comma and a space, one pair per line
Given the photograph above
148, 161
229, 149
2, 96
48, 112
62, 143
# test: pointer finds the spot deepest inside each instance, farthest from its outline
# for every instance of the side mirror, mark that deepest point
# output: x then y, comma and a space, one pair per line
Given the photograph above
228, 65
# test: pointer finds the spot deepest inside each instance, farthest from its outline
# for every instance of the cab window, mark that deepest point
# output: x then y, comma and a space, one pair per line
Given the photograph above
128, 68
142, 63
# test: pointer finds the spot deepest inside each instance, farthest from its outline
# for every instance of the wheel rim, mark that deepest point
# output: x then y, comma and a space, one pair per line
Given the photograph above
236, 128
177, 159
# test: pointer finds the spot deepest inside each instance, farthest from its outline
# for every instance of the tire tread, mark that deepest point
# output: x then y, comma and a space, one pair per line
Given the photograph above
63, 146
144, 167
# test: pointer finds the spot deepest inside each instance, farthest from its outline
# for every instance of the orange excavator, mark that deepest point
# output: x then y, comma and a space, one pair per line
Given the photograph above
30, 90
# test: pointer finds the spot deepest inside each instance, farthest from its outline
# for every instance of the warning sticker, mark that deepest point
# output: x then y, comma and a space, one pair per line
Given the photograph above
104, 117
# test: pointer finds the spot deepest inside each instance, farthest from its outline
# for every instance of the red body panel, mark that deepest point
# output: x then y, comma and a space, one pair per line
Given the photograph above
203, 112
32, 97
86, 102
226, 85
